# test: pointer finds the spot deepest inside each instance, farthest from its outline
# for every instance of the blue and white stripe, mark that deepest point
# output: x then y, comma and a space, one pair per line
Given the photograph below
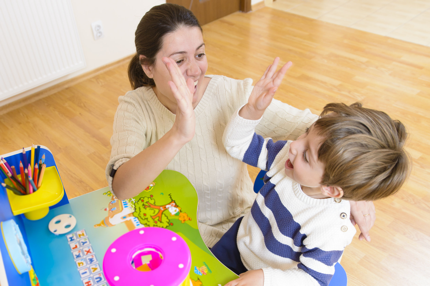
292, 237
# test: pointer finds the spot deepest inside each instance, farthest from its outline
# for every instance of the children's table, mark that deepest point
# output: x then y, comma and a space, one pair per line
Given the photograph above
76, 257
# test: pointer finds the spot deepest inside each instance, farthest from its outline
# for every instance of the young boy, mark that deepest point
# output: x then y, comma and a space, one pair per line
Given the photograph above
299, 224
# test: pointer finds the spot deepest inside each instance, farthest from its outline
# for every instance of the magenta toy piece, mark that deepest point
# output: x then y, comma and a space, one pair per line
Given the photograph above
159, 256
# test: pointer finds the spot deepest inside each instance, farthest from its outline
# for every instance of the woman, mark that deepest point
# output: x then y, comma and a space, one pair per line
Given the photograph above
179, 125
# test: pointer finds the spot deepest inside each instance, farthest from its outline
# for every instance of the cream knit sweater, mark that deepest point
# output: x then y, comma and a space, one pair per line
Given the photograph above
222, 182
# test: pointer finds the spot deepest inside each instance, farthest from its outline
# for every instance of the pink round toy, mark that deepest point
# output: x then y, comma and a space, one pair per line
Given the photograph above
148, 256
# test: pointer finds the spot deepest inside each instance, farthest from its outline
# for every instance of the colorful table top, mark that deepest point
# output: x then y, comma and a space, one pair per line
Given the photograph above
76, 258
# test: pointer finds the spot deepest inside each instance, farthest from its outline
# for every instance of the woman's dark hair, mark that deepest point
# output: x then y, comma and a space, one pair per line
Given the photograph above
156, 23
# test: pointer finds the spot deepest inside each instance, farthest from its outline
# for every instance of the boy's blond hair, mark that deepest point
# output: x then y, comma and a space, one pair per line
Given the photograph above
363, 151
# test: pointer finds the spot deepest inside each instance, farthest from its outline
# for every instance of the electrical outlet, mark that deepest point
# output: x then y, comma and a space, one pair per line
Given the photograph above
97, 30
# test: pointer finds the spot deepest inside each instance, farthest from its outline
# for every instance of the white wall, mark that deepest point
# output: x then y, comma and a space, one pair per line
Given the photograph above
253, 2
119, 19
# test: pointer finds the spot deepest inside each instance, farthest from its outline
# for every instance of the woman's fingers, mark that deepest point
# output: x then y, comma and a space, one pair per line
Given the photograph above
364, 215
182, 88
190, 86
175, 73
281, 73
272, 68
265, 72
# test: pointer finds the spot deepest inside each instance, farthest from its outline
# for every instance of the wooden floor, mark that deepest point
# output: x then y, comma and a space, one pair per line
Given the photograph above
331, 64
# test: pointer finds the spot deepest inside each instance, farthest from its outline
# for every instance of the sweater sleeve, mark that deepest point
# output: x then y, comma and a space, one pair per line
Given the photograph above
322, 249
129, 136
316, 267
282, 121
241, 142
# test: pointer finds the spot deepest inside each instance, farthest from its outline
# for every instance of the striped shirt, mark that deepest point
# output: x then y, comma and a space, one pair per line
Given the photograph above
295, 239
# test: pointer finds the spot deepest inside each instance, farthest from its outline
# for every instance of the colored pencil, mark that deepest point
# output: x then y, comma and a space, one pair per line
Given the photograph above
15, 176
24, 157
40, 169
43, 158
18, 183
11, 188
35, 173
42, 173
3, 167
30, 188
32, 158
14, 172
36, 156
14, 182
27, 184
32, 183
21, 169
6, 164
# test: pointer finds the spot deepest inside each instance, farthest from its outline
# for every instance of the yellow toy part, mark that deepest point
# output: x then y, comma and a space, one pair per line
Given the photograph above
36, 205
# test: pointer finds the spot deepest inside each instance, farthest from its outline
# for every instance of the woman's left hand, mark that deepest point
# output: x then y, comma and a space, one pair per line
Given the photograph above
364, 215
249, 278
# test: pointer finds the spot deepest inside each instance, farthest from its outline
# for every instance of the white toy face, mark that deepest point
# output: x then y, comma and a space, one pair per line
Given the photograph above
62, 224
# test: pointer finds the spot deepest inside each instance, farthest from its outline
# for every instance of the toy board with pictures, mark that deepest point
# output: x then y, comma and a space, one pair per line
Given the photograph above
170, 202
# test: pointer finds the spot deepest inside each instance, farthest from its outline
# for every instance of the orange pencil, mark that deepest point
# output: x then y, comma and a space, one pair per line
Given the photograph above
3, 167
21, 169
42, 172
35, 174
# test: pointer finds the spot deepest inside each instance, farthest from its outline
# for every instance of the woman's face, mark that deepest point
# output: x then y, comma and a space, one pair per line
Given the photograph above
186, 47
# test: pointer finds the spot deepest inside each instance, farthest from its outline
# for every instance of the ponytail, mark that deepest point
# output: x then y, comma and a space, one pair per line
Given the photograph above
137, 76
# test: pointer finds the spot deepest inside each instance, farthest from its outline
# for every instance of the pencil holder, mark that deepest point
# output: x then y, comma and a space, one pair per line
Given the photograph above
36, 205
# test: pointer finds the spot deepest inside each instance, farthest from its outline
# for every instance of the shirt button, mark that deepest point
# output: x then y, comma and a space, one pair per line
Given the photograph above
343, 215
337, 200
344, 228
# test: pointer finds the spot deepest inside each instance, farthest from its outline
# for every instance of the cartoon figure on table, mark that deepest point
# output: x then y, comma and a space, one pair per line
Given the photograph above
298, 226
140, 212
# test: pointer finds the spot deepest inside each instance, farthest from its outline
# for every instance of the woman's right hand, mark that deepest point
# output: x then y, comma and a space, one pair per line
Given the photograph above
184, 124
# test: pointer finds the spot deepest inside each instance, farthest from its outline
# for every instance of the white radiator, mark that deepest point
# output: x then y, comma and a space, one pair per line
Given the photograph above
39, 42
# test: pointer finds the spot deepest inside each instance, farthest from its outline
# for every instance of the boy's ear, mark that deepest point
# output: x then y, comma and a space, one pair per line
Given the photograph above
146, 68
332, 191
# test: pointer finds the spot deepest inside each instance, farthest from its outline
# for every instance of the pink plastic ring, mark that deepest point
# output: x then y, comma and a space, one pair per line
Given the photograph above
171, 258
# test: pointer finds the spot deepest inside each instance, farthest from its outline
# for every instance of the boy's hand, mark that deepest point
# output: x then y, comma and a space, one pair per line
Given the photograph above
263, 92
249, 278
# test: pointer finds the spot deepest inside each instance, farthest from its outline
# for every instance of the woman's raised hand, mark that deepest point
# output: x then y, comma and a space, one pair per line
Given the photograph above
185, 118
263, 92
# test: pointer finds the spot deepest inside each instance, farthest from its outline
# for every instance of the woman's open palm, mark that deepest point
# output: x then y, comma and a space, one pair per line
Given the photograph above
185, 117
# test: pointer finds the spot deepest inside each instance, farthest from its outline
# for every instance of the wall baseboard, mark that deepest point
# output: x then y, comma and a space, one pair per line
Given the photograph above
258, 6
60, 86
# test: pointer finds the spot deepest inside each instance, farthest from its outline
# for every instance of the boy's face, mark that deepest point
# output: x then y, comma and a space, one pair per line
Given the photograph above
303, 165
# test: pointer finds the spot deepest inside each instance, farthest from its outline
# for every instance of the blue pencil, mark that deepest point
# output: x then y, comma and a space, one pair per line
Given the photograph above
30, 180
24, 157
36, 155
